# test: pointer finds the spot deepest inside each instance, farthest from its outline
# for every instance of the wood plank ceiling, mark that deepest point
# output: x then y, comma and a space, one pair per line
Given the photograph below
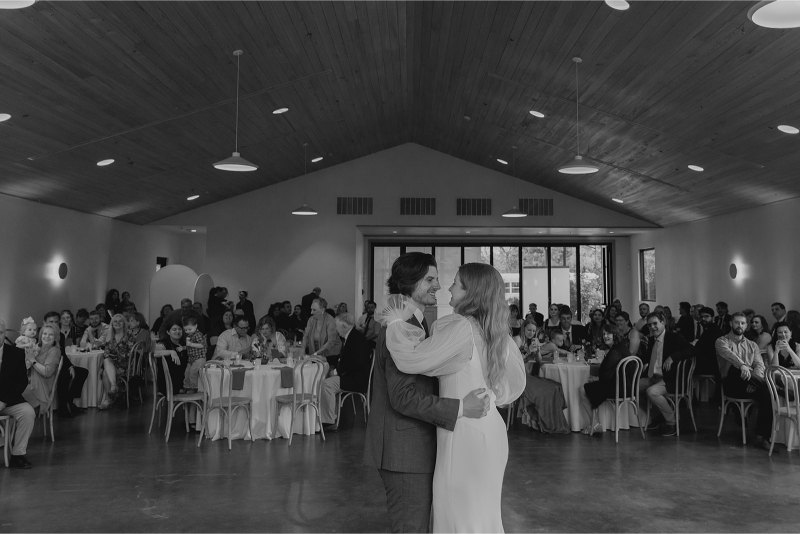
663, 85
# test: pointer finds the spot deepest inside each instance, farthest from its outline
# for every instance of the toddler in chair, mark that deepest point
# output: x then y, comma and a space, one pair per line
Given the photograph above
196, 348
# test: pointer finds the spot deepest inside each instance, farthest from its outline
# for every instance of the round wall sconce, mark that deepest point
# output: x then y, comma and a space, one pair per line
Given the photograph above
62, 271
733, 271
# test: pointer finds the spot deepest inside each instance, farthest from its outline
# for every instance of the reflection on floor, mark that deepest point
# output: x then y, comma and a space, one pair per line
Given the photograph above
104, 473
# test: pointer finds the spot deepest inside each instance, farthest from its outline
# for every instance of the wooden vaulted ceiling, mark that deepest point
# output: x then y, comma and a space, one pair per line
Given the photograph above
662, 85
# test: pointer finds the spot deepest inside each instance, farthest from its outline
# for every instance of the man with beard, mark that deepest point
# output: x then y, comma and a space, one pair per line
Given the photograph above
706, 349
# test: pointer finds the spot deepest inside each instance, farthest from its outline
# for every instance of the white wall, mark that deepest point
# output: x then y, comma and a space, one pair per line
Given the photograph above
100, 253
693, 259
193, 252
254, 243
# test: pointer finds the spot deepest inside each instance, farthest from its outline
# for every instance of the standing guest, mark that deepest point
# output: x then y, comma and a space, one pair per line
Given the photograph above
234, 342
68, 329
221, 325
71, 378
13, 382
630, 336
514, 323
641, 324
367, 324
43, 367
175, 340
595, 327
611, 314
125, 298
166, 309
203, 321
575, 335
534, 315
723, 320
306, 301
685, 325
105, 313
779, 313
247, 307
593, 394
552, 319
94, 332
663, 355
280, 317
113, 302
297, 322
177, 317
287, 308
617, 304
320, 337
352, 371
267, 338
116, 353
218, 303
81, 320
706, 345
196, 349
137, 331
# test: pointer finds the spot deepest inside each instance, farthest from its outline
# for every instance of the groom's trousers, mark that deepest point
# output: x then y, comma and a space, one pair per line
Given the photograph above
409, 496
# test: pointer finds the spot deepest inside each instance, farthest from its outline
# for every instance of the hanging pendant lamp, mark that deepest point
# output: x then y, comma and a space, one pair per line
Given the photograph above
514, 211
778, 14
236, 162
577, 165
305, 209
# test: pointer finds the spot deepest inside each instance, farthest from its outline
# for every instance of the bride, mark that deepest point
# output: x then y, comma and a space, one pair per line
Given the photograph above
467, 350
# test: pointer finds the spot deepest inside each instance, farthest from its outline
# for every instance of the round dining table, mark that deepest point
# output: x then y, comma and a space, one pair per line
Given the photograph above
92, 361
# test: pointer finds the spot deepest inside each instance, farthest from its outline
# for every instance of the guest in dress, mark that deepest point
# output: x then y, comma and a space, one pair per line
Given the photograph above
175, 340
543, 398
593, 394
611, 314
340, 308
116, 353
529, 346
514, 323
166, 309
43, 367
670, 321
13, 382
595, 326
320, 337
760, 335
68, 329
782, 350
553, 320
138, 332
630, 336
71, 378
268, 338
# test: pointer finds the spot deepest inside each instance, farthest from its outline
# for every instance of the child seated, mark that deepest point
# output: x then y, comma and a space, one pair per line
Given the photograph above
27, 340
196, 349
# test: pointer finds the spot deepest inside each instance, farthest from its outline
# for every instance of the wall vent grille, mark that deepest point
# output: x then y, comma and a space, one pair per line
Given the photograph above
474, 206
536, 207
417, 206
354, 206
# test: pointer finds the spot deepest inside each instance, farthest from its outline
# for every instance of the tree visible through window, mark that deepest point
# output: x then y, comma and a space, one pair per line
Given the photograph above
647, 273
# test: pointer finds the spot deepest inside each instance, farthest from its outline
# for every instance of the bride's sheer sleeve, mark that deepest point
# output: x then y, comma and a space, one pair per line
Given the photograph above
512, 383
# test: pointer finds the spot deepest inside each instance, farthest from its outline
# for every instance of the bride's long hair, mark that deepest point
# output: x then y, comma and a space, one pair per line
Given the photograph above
485, 302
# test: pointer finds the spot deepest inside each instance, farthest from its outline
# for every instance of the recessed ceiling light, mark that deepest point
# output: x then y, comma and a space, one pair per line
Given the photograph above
316, 159
541, 232
193, 231
467, 232
696, 168
466, 117
537, 114
779, 15
280, 110
394, 231
620, 5
4, 117
617, 200
783, 127
105, 162
608, 232
193, 197
504, 162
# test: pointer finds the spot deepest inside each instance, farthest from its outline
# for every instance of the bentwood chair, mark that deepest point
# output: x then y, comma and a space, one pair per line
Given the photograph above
7, 431
344, 394
743, 405
170, 400
227, 404
306, 397
785, 395
46, 408
134, 377
632, 365
683, 392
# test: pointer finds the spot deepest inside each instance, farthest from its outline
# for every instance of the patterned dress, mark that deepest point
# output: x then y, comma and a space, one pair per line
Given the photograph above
120, 352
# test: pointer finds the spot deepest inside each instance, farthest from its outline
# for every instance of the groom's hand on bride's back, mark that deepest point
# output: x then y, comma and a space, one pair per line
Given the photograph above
476, 404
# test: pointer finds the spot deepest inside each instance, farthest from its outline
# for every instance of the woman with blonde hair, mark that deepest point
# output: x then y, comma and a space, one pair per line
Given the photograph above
467, 350
43, 367
117, 347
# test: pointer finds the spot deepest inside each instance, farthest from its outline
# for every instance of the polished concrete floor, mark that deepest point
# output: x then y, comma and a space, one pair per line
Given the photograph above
104, 473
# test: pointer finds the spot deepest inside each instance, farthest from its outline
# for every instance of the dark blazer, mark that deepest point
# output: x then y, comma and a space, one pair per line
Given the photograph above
13, 374
686, 326
579, 335
539, 318
354, 362
404, 414
675, 347
306, 301
603, 388
706, 350
724, 323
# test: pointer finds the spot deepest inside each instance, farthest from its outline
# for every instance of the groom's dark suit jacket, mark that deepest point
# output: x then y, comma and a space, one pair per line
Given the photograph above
404, 414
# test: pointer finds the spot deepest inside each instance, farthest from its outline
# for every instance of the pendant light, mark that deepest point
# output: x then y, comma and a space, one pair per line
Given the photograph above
236, 162
305, 209
514, 212
577, 165
778, 14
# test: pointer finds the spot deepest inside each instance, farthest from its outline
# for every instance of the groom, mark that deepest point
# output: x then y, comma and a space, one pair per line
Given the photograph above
405, 409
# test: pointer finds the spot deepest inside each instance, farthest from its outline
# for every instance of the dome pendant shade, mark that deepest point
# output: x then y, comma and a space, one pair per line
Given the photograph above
235, 163
305, 209
514, 212
778, 14
578, 166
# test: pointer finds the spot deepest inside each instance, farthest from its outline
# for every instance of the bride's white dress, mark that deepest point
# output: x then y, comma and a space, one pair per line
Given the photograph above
471, 460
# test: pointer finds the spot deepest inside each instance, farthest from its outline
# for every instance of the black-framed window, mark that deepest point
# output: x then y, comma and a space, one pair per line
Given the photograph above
647, 274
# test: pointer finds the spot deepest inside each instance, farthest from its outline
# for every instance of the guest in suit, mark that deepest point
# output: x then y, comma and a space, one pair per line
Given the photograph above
320, 337
685, 326
706, 349
71, 378
723, 320
306, 301
534, 315
663, 354
352, 372
13, 381
575, 335
641, 324
367, 324
405, 409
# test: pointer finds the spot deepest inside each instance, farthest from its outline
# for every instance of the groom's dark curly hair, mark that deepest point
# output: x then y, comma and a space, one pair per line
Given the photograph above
407, 271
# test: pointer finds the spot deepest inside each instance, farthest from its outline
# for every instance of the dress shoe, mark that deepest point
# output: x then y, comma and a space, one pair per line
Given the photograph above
763, 443
668, 429
329, 429
20, 462
654, 424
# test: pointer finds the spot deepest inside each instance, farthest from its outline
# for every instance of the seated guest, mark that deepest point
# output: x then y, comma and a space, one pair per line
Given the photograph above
125, 299
320, 337
196, 354
138, 332
685, 324
782, 350
742, 370
779, 313
530, 346
71, 378
352, 371
116, 353
128, 309
113, 302
641, 324
81, 320
514, 323
630, 336
706, 345
553, 321
340, 308
67, 328
268, 338
43, 367
216, 303
543, 398
749, 313
105, 315
793, 320
663, 354
593, 394
698, 323
575, 335
13, 382
611, 315
555, 348
203, 322
534, 315
175, 340
367, 324
672, 324
95, 332
220, 325
178, 316
166, 309
760, 335
234, 342
595, 326
723, 320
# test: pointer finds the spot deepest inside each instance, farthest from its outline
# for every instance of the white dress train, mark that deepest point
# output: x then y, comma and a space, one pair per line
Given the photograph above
471, 460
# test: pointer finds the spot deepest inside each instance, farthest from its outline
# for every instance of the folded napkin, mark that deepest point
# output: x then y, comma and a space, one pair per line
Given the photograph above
237, 379
287, 376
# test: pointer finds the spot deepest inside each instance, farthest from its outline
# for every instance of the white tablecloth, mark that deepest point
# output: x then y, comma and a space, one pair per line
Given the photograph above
572, 377
262, 386
92, 394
